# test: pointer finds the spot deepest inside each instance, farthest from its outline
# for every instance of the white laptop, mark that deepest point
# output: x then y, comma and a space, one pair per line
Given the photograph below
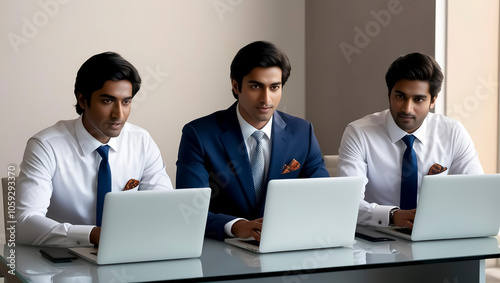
307, 213
454, 206
150, 225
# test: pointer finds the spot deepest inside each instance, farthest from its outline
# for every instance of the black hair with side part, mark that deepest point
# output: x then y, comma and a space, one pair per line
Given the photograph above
415, 66
98, 69
259, 54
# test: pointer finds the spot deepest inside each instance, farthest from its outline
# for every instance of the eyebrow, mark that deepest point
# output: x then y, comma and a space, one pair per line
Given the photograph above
104, 95
415, 96
259, 83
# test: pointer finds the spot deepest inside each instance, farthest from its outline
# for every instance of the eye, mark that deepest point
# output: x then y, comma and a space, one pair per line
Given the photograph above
127, 101
254, 86
275, 87
419, 99
107, 101
399, 96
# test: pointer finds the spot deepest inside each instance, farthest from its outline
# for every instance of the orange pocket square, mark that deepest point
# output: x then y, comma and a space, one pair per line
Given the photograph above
436, 169
132, 183
290, 167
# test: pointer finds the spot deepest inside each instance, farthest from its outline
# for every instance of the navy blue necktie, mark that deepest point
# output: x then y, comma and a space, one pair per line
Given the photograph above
103, 181
409, 175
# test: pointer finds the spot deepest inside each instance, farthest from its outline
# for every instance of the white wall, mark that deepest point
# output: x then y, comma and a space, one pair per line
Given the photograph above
182, 49
472, 74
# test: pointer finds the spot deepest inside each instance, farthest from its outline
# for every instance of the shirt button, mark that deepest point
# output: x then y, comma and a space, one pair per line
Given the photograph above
78, 242
380, 222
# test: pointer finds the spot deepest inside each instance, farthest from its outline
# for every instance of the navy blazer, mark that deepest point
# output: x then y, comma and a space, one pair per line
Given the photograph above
212, 153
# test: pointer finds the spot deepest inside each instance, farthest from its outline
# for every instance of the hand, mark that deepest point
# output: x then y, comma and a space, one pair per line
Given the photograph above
246, 229
95, 234
404, 218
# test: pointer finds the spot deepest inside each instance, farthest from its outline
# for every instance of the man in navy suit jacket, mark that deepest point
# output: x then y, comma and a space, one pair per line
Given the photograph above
216, 150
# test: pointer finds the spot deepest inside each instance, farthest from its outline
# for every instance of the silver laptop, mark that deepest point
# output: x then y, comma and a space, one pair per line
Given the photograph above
150, 225
454, 206
307, 214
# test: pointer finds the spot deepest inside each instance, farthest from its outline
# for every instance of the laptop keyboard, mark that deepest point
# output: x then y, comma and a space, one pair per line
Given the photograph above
404, 230
253, 242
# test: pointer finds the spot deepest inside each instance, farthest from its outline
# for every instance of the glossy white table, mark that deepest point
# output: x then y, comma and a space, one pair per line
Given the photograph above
451, 261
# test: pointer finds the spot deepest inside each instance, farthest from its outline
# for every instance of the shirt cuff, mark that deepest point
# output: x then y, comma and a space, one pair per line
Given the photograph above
79, 235
229, 226
381, 215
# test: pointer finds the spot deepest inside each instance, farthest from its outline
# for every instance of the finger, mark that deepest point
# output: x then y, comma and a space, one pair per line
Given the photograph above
257, 226
256, 235
409, 224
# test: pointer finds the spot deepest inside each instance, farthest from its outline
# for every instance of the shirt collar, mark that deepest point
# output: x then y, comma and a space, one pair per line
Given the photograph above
87, 142
396, 133
247, 129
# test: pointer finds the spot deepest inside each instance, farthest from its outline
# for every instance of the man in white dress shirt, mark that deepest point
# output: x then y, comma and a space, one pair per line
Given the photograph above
57, 185
373, 147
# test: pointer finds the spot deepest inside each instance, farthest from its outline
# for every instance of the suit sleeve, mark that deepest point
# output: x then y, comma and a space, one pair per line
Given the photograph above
192, 173
314, 166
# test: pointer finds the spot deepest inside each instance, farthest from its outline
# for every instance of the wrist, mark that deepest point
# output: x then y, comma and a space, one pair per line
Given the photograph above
391, 215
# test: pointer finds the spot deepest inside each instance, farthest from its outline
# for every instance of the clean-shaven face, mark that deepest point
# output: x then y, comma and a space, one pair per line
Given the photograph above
108, 110
260, 95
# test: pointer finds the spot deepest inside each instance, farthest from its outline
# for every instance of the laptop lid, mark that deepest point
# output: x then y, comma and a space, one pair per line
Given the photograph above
310, 213
455, 206
152, 225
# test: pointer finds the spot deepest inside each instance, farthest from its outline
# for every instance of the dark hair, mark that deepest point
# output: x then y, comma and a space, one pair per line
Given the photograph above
98, 69
259, 54
415, 66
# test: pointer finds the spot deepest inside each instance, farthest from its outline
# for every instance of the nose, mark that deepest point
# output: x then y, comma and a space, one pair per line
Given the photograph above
117, 111
265, 96
407, 106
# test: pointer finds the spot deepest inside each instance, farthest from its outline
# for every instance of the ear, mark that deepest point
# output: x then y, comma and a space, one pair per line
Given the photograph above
433, 102
81, 100
235, 86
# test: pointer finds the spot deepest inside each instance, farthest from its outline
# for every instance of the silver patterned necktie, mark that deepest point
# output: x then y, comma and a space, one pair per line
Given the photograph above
258, 165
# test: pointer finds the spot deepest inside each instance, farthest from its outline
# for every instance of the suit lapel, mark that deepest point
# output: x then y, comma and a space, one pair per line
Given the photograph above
280, 138
232, 140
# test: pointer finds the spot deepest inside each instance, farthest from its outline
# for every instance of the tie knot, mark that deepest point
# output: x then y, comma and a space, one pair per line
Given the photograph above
408, 140
257, 135
103, 151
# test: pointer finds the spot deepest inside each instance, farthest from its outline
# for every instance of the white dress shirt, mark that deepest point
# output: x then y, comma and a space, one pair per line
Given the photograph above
57, 185
250, 143
372, 147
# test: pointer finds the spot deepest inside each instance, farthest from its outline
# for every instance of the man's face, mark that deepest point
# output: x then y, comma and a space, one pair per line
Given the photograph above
108, 110
410, 102
260, 95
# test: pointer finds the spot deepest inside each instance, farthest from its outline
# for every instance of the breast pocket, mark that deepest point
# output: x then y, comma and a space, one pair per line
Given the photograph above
437, 169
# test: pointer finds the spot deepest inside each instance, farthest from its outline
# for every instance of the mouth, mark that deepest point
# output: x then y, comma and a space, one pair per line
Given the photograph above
264, 109
115, 125
406, 118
